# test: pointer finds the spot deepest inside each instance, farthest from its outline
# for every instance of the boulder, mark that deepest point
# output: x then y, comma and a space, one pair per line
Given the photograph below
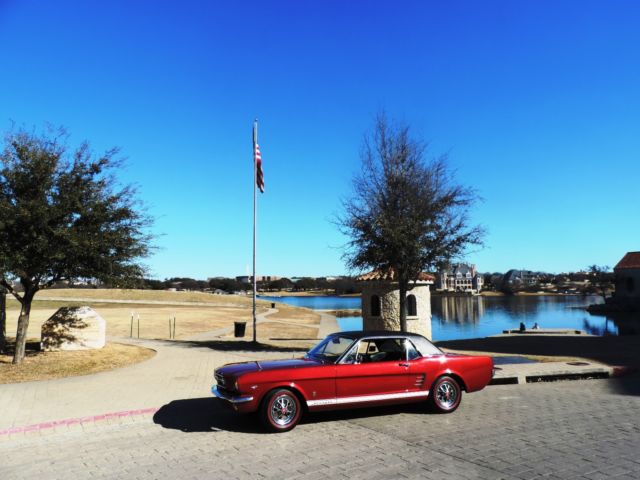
74, 328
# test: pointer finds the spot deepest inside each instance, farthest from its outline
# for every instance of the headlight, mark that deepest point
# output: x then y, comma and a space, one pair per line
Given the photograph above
235, 385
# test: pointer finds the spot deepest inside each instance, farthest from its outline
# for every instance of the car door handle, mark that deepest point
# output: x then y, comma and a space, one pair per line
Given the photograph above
403, 364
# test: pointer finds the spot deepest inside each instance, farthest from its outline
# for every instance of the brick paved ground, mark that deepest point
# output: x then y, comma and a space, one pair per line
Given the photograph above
580, 429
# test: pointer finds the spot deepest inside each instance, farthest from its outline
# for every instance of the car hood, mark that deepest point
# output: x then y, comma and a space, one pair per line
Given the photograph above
235, 369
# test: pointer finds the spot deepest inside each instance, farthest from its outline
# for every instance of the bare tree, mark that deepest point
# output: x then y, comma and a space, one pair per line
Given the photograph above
601, 279
406, 213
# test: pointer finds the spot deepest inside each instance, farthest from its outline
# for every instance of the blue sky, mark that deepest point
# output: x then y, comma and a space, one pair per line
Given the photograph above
537, 103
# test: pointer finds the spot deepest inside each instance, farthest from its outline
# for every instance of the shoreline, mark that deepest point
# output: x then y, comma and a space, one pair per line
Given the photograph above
434, 293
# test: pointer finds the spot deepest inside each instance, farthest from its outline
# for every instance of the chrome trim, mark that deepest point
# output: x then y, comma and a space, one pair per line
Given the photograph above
234, 400
368, 398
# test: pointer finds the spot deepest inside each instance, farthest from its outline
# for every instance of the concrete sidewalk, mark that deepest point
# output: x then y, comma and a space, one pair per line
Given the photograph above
181, 370
518, 373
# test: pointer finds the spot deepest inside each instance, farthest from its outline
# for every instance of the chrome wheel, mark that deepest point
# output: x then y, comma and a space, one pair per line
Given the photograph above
445, 394
283, 410
280, 410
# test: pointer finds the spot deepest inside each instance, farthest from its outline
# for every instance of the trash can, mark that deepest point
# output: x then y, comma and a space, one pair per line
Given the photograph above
239, 328
273, 304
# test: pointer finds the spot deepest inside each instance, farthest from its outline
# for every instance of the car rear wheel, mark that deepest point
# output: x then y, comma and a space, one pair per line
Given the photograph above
445, 394
281, 410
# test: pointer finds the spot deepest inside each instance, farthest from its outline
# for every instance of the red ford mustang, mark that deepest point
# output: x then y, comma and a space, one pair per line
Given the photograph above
348, 370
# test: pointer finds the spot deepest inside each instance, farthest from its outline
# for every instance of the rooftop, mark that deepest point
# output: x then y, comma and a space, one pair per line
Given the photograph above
630, 260
389, 275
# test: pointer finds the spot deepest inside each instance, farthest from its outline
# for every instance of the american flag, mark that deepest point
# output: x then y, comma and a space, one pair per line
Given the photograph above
259, 174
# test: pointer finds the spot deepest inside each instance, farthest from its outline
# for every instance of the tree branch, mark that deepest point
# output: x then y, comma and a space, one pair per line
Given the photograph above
10, 289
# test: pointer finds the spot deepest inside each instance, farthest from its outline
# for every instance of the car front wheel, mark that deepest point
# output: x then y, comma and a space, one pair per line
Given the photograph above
281, 410
445, 395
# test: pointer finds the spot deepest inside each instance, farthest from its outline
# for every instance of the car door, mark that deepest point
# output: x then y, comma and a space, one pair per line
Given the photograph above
376, 370
420, 370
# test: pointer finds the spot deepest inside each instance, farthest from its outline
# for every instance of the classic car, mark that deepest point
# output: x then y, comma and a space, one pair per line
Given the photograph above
348, 370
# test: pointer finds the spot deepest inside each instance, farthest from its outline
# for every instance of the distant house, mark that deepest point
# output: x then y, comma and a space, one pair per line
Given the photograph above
627, 279
515, 280
462, 277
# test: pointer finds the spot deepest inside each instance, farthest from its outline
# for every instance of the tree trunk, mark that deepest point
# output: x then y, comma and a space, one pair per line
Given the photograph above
3, 319
23, 325
403, 305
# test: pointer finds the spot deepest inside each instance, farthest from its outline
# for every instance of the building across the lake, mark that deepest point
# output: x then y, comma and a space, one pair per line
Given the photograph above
259, 278
461, 277
515, 280
381, 302
626, 297
627, 279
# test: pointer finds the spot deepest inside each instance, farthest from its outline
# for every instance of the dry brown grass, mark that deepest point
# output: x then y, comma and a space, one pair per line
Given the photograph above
303, 316
154, 319
220, 311
50, 365
147, 295
276, 330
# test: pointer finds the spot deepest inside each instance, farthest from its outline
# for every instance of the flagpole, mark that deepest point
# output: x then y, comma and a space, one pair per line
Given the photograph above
255, 203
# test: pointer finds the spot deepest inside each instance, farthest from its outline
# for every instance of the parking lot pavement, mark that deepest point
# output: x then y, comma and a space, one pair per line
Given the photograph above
577, 429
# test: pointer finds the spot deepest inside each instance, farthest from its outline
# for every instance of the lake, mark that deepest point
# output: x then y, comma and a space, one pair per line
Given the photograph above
472, 317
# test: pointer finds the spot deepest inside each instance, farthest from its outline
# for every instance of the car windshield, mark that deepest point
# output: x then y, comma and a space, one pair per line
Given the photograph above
331, 348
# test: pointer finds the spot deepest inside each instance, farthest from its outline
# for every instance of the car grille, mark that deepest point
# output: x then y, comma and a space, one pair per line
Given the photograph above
225, 391
220, 379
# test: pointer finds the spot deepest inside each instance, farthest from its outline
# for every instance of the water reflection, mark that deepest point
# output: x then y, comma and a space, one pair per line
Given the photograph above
457, 309
469, 317
619, 323
474, 317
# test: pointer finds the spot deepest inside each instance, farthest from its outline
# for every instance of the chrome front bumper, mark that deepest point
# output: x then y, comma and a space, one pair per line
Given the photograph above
233, 400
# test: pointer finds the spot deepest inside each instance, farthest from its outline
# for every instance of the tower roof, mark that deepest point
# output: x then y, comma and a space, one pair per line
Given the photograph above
630, 260
389, 275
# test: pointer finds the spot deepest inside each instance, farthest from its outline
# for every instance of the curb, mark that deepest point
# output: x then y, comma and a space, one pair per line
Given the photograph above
78, 421
552, 376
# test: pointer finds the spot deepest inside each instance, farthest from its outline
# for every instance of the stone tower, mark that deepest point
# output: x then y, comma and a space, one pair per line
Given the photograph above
381, 303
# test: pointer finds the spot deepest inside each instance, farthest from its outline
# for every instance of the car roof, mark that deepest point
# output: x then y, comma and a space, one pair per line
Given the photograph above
357, 334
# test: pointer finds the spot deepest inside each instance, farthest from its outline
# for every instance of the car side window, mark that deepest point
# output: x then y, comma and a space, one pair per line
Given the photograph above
374, 350
359, 352
385, 350
412, 351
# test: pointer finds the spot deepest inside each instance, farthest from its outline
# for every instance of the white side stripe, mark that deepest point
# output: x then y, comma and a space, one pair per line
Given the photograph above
367, 398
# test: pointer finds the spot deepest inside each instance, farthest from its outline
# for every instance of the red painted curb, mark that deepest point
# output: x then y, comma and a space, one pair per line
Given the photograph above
78, 420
